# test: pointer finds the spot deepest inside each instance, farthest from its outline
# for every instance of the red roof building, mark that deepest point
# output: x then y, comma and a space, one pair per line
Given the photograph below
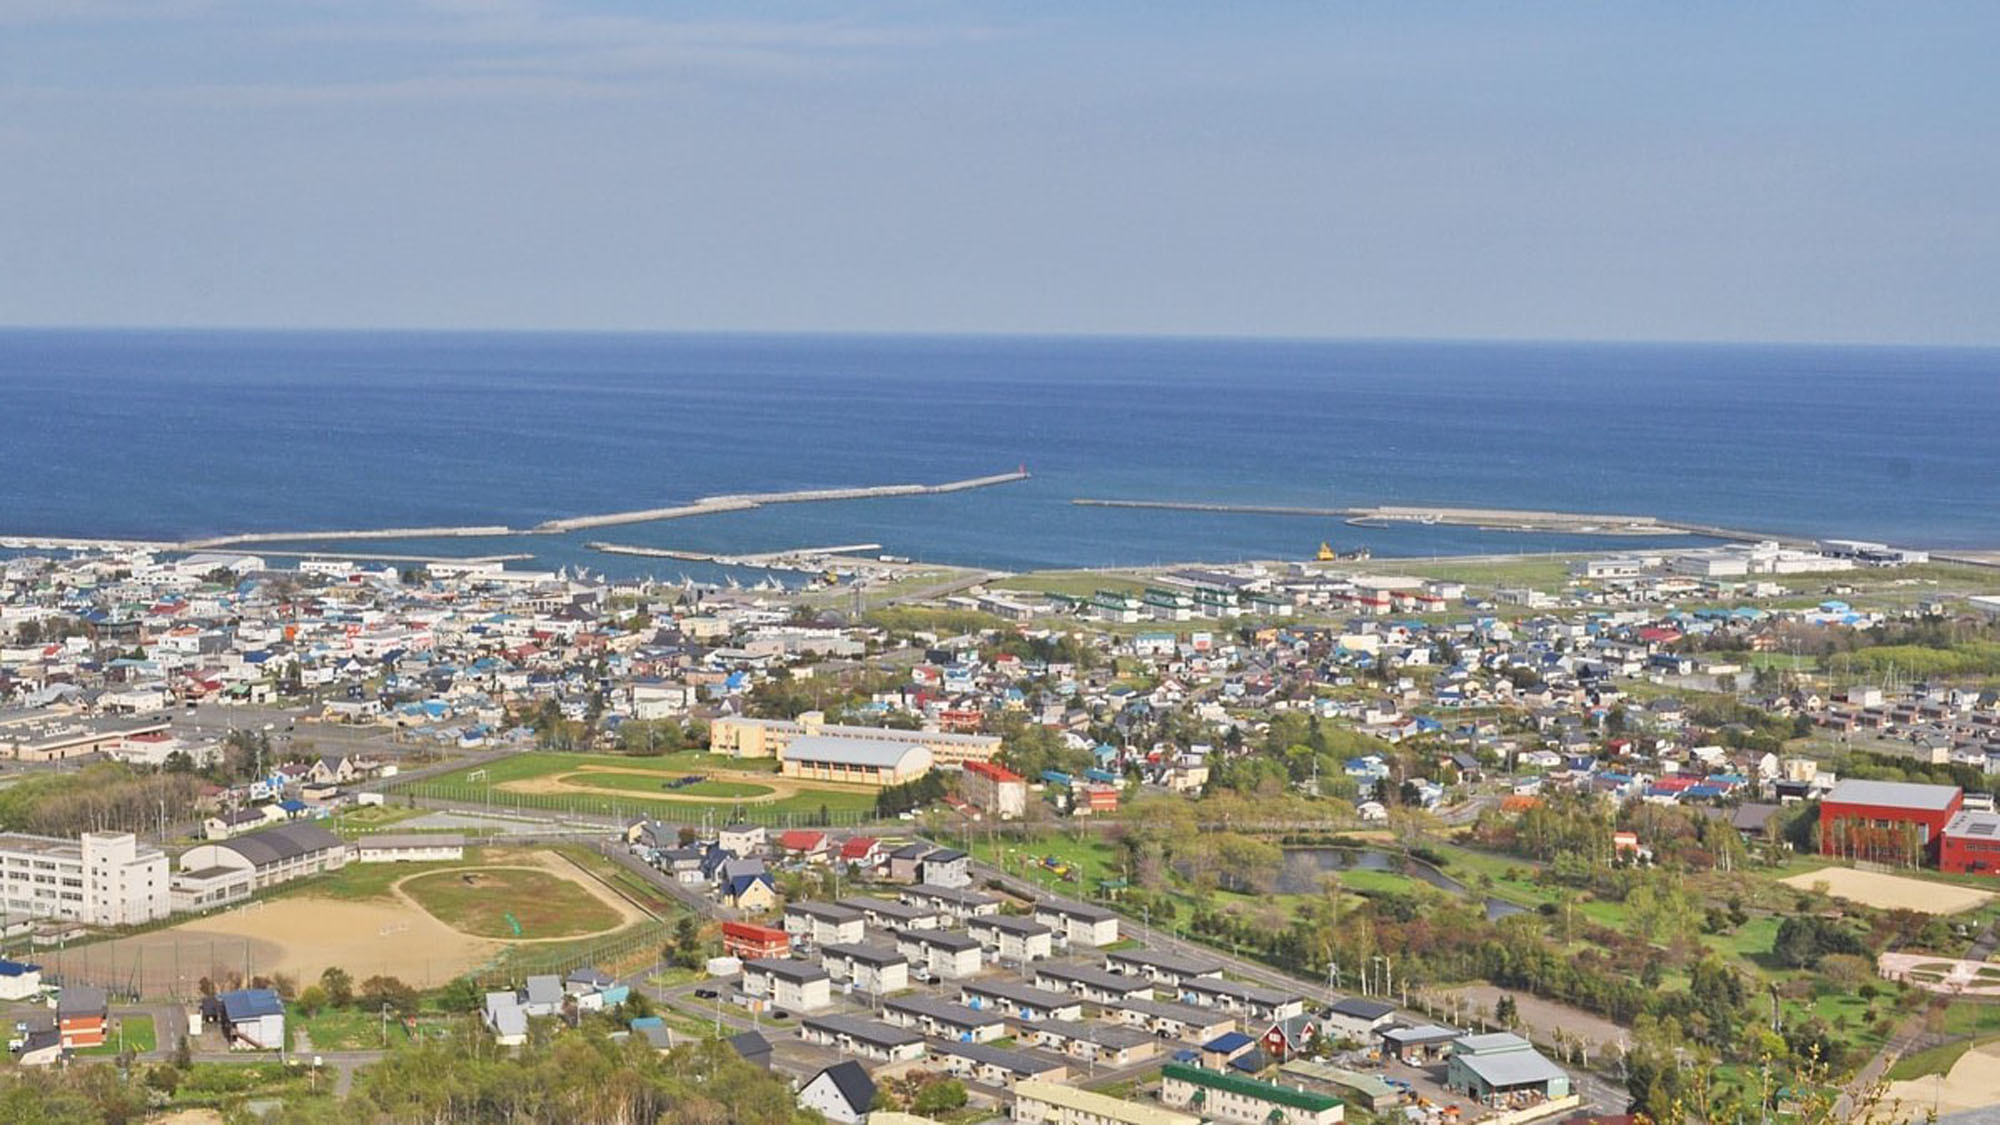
750, 941
802, 842
863, 850
1970, 844
1895, 822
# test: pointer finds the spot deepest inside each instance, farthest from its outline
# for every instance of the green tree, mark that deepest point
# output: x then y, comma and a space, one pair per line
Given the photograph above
940, 1096
312, 1000
339, 986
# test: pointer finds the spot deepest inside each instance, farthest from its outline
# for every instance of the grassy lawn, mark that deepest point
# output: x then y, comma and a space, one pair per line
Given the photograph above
344, 1029
650, 898
1972, 1017
1923, 1064
1091, 857
371, 817
216, 1084
1750, 943
480, 901
650, 783
139, 1037
543, 763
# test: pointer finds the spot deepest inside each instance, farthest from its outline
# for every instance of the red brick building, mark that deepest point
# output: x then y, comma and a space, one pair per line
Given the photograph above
1971, 844
1894, 822
751, 942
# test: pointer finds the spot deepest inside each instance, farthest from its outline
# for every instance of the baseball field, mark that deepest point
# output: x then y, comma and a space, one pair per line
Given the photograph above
616, 784
422, 923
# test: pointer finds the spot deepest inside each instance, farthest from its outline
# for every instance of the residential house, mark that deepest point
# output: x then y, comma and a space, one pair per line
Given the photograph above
842, 1093
789, 984
1023, 1002
875, 969
252, 1019
1078, 924
1011, 938
940, 954
82, 1016
1358, 1019
863, 1038
1038, 1102
997, 1067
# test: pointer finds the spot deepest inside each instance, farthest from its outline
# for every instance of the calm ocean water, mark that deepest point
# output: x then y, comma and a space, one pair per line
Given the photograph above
175, 434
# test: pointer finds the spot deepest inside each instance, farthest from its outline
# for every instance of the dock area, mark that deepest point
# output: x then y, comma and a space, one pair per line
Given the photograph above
805, 560
1485, 519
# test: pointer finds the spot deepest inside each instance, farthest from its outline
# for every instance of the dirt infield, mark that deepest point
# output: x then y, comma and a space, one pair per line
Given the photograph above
302, 934
1891, 892
777, 787
1974, 1083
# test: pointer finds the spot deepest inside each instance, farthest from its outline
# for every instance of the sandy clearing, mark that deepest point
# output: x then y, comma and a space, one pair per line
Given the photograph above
1891, 892
300, 936
310, 934
1544, 1016
1974, 1083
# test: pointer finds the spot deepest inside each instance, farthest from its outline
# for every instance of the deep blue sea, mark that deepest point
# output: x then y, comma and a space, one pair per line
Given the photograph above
178, 434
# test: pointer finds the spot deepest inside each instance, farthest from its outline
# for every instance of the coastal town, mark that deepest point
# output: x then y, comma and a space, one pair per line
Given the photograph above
1502, 840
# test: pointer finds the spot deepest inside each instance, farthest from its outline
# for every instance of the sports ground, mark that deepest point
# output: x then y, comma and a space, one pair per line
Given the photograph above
615, 783
1891, 892
422, 923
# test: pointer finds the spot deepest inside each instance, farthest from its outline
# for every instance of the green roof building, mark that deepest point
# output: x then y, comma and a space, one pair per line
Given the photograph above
1218, 1096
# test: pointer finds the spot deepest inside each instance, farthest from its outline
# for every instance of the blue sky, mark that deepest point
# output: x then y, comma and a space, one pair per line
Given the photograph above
1781, 171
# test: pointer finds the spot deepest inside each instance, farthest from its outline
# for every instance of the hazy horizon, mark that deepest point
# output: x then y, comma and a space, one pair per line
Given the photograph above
1701, 173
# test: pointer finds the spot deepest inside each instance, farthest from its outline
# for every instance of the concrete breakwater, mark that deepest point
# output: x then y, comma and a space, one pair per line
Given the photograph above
243, 538
709, 505
764, 558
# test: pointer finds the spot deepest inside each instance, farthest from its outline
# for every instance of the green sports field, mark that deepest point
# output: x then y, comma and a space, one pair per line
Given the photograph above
480, 901
627, 785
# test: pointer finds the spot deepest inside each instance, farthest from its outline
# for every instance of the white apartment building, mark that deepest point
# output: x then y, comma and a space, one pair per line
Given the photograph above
103, 878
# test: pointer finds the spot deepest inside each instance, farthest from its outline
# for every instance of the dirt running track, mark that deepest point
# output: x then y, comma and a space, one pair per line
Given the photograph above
779, 786
301, 935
